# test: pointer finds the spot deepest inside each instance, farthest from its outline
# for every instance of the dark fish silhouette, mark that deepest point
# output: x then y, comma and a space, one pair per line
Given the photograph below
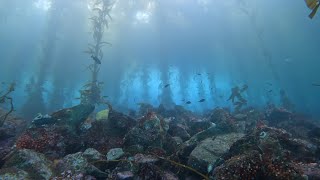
314, 84
202, 100
189, 102
167, 85
96, 59
270, 91
199, 74
314, 6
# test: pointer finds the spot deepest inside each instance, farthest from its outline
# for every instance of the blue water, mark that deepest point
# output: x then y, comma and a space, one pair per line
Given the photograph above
158, 42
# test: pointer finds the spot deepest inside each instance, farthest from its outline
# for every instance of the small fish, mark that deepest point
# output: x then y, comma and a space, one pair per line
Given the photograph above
270, 84
270, 91
314, 84
314, 6
77, 98
199, 74
105, 96
167, 85
188, 102
202, 100
96, 59
183, 100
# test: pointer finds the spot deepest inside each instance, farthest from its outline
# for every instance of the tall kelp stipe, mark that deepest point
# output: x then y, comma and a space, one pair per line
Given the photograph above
35, 102
91, 92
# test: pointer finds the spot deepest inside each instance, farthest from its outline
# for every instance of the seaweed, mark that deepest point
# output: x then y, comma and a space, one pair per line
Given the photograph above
3, 99
91, 92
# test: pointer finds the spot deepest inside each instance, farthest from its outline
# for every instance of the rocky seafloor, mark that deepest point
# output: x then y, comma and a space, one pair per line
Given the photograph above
159, 143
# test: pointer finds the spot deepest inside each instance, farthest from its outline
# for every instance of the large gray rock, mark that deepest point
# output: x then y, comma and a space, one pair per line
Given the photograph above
150, 132
92, 155
119, 124
35, 164
179, 130
138, 136
114, 154
80, 163
13, 174
187, 147
211, 149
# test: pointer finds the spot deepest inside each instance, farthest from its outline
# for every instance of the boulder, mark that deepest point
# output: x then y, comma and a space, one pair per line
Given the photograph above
150, 132
114, 154
267, 153
92, 155
14, 174
178, 130
211, 149
79, 163
35, 164
223, 120
138, 136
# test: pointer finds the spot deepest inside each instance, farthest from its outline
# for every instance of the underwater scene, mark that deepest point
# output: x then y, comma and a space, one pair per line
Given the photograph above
159, 90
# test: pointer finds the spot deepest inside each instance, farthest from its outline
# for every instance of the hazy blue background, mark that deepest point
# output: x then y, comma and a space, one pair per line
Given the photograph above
158, 42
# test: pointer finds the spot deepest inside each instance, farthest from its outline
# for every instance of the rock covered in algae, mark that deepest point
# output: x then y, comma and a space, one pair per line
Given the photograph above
9, 132
81, 163
13, 174
35, 164
267, 153
179, 130
57, 136
150, 132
